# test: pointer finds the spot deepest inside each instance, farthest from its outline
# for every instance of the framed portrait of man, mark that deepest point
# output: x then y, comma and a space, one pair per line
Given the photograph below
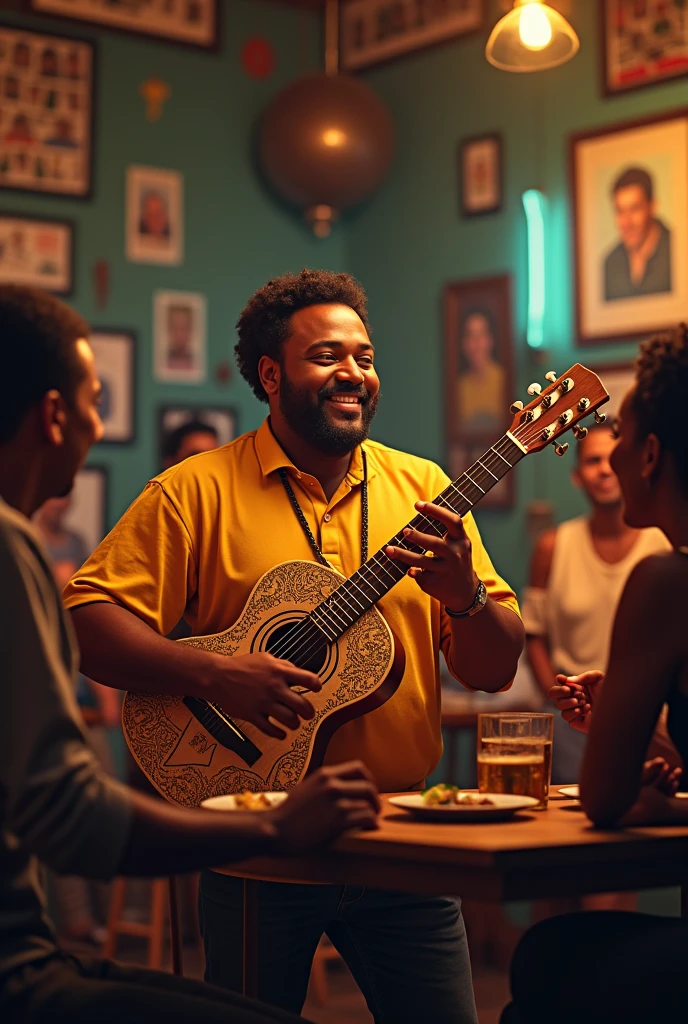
630, 227
179, 330
155, 216
478, 372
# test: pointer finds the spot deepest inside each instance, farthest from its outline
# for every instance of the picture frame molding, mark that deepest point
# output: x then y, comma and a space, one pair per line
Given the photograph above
463, 144
174, 179
104, 26
132, 335
617, 127
161, 299
482, 440
88, 194
62, 222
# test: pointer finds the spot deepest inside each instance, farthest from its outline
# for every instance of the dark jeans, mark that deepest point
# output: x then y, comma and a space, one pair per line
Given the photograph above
408, 953
601, 967
85, 990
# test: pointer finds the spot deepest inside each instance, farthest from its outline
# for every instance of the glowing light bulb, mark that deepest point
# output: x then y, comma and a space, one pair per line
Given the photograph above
534, 29
333, 137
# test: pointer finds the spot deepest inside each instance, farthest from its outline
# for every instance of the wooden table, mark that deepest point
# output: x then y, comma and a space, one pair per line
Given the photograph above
539, 854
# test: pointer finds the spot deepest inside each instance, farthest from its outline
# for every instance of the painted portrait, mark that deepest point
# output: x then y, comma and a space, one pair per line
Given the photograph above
155, 229
180, 337
630, 191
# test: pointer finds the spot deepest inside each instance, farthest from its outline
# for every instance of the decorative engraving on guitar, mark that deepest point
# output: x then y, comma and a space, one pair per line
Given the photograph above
187, 763
306, 612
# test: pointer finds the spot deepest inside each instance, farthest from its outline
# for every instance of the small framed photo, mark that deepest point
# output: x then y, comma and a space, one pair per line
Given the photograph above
372, 31
478, 361
155, 216
192, 22
630, 227
480, 167
46, 98
88, 508
37, 252
179, 331
460, 457
643, 43
219, 422
115, 355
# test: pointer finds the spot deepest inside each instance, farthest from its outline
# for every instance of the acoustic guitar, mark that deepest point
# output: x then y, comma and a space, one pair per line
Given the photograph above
308, 613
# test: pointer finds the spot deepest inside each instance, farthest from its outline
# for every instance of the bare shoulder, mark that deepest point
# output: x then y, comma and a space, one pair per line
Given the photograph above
656, 588
541, 561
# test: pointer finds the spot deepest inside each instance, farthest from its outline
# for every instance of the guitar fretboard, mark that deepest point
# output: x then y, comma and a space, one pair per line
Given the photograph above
378, 575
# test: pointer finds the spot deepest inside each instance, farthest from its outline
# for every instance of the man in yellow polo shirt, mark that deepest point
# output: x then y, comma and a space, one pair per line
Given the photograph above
308, 484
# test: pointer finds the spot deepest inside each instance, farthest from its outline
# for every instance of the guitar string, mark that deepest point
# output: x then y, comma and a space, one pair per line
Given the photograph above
349, 613
328, 609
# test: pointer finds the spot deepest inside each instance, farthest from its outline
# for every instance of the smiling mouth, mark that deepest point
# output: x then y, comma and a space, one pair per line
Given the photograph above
349, 401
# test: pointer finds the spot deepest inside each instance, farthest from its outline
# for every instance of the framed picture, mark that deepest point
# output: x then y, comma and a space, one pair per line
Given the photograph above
461, 457
155, 216
220, 421
643, 42
88, 508
37, 252
372, 31
630, 227
193, 22
115, 355
46, 86
480, 168
478, 369
179, 331
617, 379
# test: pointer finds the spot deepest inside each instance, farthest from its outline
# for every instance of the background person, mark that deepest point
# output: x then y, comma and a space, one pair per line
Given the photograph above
190, 438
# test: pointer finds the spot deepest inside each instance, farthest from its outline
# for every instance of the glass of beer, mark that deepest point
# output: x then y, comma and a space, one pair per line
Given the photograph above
515, 754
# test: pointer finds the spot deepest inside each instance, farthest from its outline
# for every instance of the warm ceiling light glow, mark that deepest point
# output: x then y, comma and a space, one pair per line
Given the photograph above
531, 37
333, 137
533, 28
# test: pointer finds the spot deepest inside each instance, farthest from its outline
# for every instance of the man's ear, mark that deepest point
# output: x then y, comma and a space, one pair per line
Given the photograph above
53, 417
270, 372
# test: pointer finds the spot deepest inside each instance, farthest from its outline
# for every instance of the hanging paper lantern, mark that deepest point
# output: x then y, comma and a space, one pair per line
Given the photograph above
326, 143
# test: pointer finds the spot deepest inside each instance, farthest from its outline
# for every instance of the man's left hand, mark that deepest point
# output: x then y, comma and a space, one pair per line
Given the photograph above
446, 572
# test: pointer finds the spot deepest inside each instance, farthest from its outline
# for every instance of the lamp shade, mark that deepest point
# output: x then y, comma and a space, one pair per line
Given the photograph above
326, 142
532, 37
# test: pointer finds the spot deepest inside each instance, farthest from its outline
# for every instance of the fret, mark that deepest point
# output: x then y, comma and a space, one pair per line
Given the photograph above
379, 574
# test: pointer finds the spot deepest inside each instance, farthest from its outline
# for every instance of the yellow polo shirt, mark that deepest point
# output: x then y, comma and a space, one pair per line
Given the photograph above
202, 533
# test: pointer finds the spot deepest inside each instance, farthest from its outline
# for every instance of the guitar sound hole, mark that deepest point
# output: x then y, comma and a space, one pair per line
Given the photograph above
306, 654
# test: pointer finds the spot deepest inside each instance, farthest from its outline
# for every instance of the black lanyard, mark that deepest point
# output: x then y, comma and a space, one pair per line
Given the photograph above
304, 522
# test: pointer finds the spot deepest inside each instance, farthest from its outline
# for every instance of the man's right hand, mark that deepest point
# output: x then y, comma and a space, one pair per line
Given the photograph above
575, 696
258, 687
329, 802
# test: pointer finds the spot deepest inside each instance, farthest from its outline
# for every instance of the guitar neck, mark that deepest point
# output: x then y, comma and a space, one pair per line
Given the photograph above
379, 574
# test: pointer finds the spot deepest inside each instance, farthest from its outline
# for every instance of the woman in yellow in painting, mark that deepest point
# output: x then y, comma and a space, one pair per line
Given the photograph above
480, 384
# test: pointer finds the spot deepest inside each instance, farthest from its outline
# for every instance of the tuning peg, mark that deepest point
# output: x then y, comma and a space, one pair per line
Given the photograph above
600, 417
551, 376
534, 389
516, 407
580, 432
560, 449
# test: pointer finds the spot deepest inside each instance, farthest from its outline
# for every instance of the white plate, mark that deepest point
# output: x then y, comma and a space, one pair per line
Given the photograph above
227, 803
502, 807
570, 791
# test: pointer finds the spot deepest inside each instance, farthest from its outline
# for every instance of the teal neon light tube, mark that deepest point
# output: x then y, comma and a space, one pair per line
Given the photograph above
534, 206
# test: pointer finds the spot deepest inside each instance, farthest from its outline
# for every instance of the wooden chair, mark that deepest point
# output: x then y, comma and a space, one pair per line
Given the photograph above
153, 930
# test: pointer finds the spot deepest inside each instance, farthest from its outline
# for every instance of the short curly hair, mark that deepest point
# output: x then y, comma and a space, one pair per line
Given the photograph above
659, 398
263, 326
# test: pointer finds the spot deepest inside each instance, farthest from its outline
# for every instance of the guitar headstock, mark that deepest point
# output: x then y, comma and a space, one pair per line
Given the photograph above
559, 407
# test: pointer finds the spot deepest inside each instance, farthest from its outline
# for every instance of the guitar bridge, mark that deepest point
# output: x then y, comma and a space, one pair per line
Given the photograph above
223, 729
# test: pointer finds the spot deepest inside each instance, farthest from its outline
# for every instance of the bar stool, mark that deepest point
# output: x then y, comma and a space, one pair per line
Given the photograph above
153, 930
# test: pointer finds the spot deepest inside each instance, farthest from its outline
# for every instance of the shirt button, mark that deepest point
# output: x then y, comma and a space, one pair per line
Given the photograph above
327, 517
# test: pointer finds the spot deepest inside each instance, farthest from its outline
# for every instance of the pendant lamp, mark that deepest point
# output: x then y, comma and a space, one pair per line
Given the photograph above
326, 141
532, 37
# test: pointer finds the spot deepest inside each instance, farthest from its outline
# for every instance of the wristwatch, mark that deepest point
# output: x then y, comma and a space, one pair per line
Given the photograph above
479, 602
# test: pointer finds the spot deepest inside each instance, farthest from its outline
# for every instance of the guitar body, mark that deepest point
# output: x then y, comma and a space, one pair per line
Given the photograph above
189, 754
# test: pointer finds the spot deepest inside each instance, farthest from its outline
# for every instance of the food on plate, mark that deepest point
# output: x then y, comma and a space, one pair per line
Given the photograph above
247, 801
443, 795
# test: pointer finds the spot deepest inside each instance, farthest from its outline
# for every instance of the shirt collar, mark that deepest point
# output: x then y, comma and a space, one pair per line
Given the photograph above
271, 456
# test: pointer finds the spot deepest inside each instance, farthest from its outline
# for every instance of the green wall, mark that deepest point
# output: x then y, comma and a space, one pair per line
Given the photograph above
410, 239
237, 236
404, 244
